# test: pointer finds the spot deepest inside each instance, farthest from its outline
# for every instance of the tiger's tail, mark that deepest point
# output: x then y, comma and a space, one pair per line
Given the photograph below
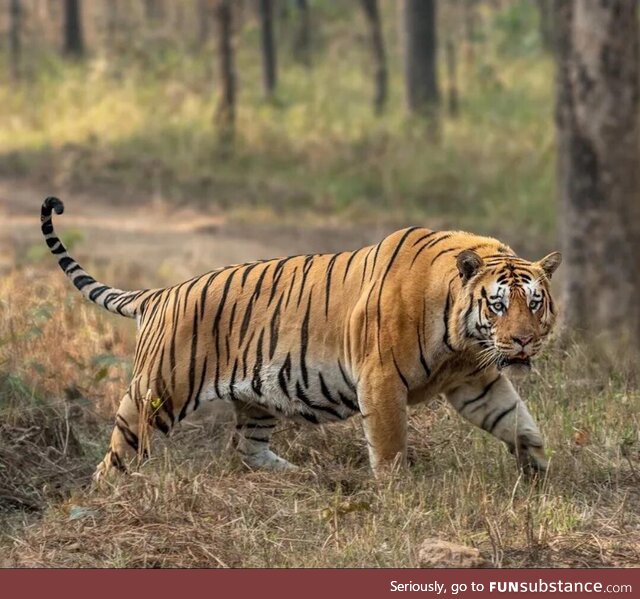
114, 300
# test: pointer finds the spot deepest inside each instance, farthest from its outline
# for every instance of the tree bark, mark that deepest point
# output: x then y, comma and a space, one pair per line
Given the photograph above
302, 41
597, 93
378, 52
226, 109
268, 51
15, 38
73, 37
419, 22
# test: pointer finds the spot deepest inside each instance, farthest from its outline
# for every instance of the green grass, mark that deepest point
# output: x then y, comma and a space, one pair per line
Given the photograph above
140, 123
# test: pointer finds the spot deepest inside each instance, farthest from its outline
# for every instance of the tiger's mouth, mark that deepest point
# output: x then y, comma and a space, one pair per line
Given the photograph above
506, 361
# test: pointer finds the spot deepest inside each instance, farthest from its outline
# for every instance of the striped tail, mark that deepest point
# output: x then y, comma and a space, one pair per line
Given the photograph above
114, 300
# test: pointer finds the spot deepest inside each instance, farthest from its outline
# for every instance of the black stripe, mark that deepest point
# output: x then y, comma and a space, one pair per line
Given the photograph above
308, 260
97, 292
192, 364
348, 403
82, 281
274, 328
304, 342
426, 236
65, 262
305, 400
442, 253
325, 390
402, 377
348, 265
256, 382
486, 390
129, 436
447, 308
498, 418
328, 284
423, 360
284, 375
351, 386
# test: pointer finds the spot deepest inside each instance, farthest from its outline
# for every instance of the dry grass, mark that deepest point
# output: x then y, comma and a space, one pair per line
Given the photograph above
193, 504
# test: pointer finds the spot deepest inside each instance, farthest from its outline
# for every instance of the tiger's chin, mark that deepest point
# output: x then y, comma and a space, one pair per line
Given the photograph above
514, 367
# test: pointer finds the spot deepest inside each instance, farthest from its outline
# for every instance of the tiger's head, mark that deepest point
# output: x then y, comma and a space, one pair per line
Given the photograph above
507, 310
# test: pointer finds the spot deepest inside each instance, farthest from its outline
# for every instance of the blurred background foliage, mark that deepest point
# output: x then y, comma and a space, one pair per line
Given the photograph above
135, 114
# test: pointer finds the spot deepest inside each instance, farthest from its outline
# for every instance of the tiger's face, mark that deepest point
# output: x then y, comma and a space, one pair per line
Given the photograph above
510, 311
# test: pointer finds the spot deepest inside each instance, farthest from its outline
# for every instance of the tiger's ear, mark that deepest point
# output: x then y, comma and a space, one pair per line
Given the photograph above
469, 263
550, 263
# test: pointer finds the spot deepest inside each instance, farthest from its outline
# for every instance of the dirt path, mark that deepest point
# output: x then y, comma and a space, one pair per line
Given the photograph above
153, 237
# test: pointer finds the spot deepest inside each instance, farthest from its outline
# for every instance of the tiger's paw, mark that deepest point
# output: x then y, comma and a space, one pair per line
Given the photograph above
108, 470
531, 456
267, 460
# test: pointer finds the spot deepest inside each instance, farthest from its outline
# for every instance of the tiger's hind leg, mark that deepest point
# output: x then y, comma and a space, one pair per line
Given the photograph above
124, 446
254, 427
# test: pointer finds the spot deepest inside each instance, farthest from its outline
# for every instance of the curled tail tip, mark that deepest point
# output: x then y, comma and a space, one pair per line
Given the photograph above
50, 204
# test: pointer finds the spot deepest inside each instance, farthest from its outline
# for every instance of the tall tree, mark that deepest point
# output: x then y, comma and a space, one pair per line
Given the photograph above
268, 51
112, 23
372, 14
597, 94
419, 25
73, 36
15, 37
155, 10
302, 41
203, 22
226, 108
452, 77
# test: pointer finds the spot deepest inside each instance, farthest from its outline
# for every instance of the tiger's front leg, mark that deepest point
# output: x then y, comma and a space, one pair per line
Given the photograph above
383, 403
493, 404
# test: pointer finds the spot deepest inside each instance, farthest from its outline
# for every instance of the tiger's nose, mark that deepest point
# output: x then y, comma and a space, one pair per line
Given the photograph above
522, 340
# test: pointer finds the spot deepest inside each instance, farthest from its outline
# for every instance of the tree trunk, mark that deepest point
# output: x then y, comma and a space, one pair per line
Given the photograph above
15, 38
419, 22
269, 64
203, 22
112, 24
378, 53
453, 103
225, 110
469, 18
154, 10
73, 38
302, 41
597, 93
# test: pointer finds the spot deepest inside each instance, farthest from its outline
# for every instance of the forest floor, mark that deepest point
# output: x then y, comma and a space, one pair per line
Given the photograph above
64, 363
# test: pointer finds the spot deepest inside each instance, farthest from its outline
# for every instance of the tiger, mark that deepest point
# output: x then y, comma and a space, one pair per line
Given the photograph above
320, 338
